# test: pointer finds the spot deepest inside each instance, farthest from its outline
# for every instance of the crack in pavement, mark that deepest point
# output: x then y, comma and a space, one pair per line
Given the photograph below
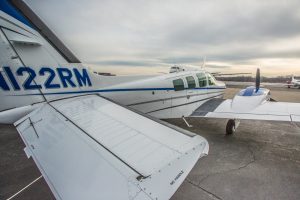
253, 159
214, 196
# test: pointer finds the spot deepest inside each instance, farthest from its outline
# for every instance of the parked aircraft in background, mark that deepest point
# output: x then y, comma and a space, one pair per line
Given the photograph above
293, 83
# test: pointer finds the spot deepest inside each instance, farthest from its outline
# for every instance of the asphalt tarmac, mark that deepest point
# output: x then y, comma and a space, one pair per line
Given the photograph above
260, 161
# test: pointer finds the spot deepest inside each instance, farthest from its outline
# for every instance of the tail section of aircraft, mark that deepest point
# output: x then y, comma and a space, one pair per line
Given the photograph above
14, 77
35, 66
293, 78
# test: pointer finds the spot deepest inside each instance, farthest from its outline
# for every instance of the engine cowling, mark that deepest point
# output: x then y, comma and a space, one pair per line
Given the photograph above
248, 99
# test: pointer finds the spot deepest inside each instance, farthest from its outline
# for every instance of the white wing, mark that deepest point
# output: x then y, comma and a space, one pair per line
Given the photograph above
90, 148
267, 110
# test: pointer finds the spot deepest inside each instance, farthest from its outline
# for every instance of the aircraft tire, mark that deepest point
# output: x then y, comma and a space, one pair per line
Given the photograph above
230, 127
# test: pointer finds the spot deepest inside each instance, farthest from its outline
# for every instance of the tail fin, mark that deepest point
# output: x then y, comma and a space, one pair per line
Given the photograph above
35, 66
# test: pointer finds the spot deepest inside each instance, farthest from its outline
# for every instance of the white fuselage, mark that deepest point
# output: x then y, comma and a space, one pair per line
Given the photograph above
296, 82
156, 96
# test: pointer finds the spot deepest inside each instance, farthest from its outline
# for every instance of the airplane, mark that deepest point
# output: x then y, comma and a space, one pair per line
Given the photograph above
108, 126
195, 93
293, 83
85, 145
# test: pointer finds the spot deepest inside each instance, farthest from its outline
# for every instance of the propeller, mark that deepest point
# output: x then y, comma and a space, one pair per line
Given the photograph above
257, 79
204, 62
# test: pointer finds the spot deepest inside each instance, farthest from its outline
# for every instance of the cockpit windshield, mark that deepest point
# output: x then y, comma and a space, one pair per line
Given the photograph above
201, 79
211, 79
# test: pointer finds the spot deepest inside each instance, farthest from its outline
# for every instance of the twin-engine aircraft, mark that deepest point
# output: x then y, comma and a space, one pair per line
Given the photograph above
196, 93
85, 145
99, 137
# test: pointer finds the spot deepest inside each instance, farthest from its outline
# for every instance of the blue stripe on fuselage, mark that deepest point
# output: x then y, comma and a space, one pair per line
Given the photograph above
116, 90
9, 9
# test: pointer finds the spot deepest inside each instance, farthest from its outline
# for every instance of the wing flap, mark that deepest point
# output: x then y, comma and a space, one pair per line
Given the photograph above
142, 138
79, 153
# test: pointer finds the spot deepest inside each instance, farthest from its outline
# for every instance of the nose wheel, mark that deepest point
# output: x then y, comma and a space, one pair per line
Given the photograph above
231, 126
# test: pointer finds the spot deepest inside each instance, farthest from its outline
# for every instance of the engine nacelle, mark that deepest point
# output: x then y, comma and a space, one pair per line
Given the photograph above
248, 99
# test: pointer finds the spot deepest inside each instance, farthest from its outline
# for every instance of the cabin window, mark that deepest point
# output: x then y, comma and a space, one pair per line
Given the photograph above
201, 79
211, 80
191, 82
178, 84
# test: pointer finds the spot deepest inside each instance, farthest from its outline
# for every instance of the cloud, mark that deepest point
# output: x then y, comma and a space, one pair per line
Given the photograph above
122, 63
142, 33
180, 59
233, 23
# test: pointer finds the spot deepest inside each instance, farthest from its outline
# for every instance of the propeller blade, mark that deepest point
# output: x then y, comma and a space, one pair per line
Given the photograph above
204, 62
257, 79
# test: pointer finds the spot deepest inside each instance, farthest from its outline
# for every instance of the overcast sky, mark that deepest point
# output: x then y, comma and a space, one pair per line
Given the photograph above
137, 36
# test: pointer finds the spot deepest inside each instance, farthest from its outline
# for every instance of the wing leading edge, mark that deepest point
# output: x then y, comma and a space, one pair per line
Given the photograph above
267, 110
90, 148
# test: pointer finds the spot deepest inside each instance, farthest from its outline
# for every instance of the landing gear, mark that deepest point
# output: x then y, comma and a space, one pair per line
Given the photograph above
186, 122
231, 126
